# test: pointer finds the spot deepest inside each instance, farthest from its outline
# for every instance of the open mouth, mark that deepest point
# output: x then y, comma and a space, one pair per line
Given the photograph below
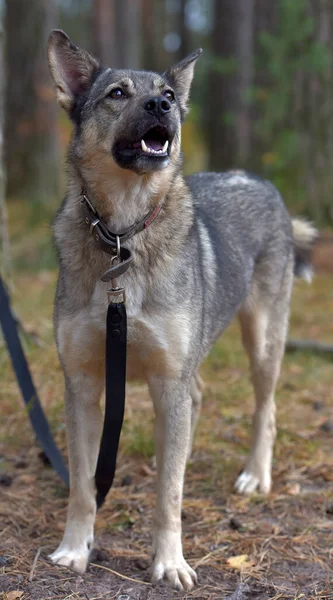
154, 143
149, 152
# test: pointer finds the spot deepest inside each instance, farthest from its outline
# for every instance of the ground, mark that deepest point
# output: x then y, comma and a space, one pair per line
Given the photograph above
257, 548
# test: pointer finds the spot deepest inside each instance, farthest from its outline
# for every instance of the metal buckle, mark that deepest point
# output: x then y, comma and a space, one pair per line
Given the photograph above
85, 199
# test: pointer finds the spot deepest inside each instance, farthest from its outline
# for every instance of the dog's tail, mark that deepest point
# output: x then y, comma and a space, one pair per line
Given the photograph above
305, 235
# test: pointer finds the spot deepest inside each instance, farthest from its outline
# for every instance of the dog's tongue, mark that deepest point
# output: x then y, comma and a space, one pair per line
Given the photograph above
150, 143
154, 144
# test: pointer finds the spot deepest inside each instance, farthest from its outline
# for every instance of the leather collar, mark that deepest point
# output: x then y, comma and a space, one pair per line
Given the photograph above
103, 235
111, 242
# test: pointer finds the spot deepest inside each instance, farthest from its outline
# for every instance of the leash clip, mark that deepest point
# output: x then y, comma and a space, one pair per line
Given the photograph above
116, 294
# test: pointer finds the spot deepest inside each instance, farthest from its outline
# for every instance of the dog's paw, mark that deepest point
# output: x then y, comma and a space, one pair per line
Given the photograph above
177, 574
75, 559
247, 483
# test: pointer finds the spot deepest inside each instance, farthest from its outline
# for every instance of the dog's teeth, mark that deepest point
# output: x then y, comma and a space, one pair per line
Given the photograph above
151, 150
144, 146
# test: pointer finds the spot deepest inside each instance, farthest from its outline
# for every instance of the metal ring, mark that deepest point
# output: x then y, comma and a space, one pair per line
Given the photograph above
118, 246
93, 225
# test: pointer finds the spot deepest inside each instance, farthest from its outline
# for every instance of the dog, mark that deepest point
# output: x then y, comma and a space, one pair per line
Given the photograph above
222, 244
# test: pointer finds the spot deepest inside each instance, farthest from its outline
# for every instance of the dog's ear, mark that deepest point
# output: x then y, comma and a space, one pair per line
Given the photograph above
72, 69
180, 77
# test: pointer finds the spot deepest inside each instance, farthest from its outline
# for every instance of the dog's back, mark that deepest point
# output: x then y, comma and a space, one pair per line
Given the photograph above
243, 236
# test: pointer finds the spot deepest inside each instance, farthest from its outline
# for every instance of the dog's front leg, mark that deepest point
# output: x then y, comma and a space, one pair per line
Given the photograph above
172, 436
84, 379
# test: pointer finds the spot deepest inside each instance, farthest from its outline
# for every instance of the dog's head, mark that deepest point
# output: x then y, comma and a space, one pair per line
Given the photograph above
134, 117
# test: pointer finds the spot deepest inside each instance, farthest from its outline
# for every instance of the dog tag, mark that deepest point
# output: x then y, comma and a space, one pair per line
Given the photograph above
121, 267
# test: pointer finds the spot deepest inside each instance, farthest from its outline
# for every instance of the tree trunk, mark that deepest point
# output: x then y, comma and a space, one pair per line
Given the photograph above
153, 23
308, 346
31, 116
318, 122
231, 77
184, 31
129, 33
4, 237
104, 32
266, 14
117, 33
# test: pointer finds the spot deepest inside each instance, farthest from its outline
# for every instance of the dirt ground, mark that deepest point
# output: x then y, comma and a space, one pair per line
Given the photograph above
257, 548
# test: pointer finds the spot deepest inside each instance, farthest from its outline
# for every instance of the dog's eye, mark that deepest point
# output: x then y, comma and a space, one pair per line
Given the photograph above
116, 93
169, 95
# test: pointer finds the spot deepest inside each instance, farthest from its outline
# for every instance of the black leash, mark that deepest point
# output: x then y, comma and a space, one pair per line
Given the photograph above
20, 365
115, 381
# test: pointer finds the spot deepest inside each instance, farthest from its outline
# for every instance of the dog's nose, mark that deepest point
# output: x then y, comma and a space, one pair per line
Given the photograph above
157, 106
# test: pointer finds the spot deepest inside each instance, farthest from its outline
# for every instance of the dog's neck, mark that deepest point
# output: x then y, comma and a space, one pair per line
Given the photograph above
120, 196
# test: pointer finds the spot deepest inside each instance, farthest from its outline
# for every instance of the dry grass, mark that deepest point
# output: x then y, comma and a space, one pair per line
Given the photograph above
287, 537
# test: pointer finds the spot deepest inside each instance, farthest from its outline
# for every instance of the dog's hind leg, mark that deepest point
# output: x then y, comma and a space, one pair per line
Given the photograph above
264, 324
83, 365
196, 391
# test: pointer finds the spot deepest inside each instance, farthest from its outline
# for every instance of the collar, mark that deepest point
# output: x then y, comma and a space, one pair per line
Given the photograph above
111, 242
107, 238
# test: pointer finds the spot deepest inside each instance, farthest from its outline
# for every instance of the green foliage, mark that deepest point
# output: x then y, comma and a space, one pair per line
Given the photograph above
290, 59
225, 65
285, 53
138, 439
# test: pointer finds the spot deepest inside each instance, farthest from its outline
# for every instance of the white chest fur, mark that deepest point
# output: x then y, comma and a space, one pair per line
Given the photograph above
158, 342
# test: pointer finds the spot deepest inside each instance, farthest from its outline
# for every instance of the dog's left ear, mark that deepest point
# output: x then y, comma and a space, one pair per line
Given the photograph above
71, 67
180, 77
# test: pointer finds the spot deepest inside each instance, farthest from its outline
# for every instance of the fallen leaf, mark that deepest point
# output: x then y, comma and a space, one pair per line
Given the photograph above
101, 523
327, 475
27, 479
147, 470
14, 595
240, 562
293, 489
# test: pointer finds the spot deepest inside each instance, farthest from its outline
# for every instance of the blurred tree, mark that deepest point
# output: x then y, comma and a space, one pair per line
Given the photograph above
128, 15
316, 96
31, 141
265, 21
104, 32
230, 81
4, 237
184, 31
294, 124
153, 21
76, 18
117, 33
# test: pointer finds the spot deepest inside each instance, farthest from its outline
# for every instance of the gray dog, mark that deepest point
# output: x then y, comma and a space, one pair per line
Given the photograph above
219, 245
